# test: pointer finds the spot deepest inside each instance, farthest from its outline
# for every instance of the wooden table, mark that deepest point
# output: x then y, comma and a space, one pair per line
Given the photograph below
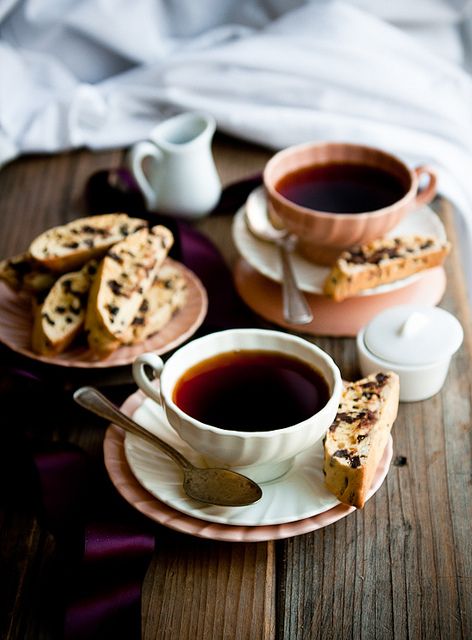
400, 568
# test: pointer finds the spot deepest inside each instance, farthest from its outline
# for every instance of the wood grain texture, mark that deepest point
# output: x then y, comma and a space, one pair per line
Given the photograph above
401, 568
210, 591
236, 159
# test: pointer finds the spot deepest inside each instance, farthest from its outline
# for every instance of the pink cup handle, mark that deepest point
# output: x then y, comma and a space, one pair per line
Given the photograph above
427, 194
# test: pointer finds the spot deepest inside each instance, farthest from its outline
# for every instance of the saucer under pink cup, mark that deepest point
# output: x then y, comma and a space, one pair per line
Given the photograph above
322, 235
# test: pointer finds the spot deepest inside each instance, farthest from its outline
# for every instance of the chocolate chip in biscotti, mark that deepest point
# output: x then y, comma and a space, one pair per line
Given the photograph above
144, 306
48, 319
115, 286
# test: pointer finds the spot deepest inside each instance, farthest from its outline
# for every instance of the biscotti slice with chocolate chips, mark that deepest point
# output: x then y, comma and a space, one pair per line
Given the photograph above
167, 295
355, 442
61, 316
382, 261
21, 273
69, 246
124, 277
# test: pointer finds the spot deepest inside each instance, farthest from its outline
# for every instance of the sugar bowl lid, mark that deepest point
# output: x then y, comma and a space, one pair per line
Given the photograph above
413, 335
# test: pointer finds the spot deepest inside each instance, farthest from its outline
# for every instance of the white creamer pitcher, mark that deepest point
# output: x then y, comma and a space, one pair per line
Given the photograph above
180, 177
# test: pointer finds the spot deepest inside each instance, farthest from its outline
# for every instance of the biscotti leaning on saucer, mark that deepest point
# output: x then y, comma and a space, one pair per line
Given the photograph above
125, 275
355, 442
60, 318
67, 247
383, 261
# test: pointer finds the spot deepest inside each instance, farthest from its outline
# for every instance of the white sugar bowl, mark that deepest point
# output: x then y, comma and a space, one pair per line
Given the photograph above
417, 342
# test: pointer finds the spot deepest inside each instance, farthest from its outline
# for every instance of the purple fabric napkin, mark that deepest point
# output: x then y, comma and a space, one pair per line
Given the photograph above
103, 545
225, 308
103, 552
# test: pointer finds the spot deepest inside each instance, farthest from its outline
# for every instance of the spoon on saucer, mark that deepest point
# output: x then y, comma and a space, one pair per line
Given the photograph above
295, 307
212, 486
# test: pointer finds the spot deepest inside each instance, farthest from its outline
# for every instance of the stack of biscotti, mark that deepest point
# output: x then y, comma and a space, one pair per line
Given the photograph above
355, 442
124, 277
383, 261
102, 277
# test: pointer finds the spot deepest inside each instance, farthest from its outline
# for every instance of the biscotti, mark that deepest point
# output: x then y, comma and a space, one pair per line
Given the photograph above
355, 442
165, 297
120, 298
124, 276
383, 261
22, 274
67, 247
61, 316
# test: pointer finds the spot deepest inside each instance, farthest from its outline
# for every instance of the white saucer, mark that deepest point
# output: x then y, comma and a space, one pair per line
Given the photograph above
297, 495
264, 256
136, 496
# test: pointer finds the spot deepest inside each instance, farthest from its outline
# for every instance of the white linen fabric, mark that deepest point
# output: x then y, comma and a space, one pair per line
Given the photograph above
102, 73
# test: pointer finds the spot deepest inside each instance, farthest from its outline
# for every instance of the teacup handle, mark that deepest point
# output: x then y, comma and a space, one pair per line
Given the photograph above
142, 379
137, 154
427, 194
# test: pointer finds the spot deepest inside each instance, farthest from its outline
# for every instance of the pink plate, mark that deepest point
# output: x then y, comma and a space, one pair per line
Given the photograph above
16, 322
130, 489
331, 318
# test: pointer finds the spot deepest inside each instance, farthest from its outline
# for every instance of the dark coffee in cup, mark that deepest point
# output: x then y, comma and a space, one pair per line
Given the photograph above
251, 391
342, 187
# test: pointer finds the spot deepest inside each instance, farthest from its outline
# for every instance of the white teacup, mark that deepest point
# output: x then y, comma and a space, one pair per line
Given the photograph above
260, 455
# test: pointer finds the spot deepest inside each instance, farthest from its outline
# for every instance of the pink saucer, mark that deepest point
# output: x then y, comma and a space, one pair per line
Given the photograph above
130, 489
16, 321
330, 318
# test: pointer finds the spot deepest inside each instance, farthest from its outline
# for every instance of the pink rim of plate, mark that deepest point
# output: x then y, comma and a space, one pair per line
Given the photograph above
130, 489
332, 318
16, 321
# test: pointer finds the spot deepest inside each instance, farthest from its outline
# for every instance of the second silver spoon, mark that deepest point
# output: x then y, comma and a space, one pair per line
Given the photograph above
295, 306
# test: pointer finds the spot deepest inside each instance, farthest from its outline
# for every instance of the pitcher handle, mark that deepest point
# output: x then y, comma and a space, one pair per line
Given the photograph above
427, 194
137, 154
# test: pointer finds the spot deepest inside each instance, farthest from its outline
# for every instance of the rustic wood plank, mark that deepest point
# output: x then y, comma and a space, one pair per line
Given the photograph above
236, 159
26, 586
402, 567
205, 590
457, 420
44, 191
87, 164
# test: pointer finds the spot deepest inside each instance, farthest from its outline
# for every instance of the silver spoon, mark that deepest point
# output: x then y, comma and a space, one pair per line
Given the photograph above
295, 306
212, 486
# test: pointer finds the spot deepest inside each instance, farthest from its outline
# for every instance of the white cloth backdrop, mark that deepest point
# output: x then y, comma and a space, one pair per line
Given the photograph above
102, 73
